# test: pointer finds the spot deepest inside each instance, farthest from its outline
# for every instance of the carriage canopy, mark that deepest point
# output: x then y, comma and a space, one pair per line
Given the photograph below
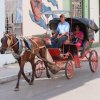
87, 23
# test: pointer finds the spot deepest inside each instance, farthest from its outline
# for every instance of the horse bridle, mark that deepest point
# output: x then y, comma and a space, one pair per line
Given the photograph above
10, 47
7, 36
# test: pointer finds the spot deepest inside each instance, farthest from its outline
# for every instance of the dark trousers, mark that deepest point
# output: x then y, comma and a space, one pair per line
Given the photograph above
56, 43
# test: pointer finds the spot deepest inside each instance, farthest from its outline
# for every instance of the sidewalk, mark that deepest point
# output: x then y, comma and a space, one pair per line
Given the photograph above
98, 50
9, 72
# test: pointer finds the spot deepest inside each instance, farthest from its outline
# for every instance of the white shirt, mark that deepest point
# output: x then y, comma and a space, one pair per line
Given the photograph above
63, 27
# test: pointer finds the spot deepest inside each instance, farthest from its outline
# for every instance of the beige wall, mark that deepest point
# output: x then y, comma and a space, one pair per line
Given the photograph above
94, 15
10, 9
29, 27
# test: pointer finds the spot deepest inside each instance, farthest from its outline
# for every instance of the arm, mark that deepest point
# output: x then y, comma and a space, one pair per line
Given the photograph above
55, 34
32, 5
62, 34
36, 10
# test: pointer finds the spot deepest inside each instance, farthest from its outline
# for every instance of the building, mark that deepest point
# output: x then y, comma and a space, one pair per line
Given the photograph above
2, 18
80, 8
5, 58
12, 16
19, 20
86, 9
33, 25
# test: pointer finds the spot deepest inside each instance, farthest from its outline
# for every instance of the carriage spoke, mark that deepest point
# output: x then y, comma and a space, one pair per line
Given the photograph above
69, 71
39, 68
93, 61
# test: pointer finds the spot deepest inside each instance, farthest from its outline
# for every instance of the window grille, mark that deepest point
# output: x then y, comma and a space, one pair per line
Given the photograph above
77, 8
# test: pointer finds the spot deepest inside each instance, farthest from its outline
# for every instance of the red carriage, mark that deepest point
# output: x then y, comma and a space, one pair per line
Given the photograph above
63, 58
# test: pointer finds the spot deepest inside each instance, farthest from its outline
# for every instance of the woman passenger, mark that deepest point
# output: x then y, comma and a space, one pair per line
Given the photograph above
78, 37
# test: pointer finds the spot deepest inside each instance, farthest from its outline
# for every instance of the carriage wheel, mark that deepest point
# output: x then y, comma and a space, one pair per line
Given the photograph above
39, 68
69, 69
93, 61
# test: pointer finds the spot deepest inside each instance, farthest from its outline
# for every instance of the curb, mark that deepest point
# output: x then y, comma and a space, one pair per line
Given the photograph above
11, 78
8, 79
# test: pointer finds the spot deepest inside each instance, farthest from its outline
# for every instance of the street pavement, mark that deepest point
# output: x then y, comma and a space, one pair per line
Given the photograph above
9, 72
83, 86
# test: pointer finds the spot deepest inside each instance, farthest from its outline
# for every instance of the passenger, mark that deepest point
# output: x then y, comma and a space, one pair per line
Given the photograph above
61, 34
77, 40
78, 37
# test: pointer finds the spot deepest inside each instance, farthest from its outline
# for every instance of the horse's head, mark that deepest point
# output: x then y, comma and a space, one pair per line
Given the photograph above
48, 41
6, 42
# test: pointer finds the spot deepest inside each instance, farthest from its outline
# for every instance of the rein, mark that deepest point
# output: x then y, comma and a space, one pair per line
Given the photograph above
37, 45
10, 46
23, 48
14, 44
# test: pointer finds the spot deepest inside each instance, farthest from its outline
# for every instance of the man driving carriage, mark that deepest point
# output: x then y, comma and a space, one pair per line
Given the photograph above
61, 34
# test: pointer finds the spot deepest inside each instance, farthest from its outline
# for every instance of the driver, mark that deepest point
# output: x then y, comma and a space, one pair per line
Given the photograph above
61, 34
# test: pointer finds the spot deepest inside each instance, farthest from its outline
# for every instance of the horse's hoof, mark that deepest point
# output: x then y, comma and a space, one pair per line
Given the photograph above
16, 89
31, 83
48, 76
28, 80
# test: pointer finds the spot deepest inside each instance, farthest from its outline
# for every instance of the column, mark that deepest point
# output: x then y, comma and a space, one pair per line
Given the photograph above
67, 6
86, 8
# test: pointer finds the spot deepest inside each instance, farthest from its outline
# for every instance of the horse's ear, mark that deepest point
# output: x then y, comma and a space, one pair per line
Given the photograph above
4, 34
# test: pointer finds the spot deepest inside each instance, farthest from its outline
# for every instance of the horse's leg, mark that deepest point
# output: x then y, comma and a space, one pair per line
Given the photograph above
47, 71
19, 75
21, 64
33, 71
17, 85
25, 77
43, 55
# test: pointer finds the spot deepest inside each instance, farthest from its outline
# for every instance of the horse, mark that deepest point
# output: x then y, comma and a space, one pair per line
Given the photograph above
25, 55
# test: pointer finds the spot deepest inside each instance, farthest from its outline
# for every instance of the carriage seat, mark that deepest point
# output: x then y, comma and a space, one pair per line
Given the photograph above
54, 52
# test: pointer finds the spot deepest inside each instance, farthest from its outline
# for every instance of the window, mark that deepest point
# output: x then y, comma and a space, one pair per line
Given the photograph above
13, 16
77, 8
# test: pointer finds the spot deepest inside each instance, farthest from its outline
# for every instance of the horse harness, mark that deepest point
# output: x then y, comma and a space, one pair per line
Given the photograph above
22, 47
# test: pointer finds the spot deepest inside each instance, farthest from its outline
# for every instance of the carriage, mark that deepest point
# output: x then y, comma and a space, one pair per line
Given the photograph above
25, 49
63, 58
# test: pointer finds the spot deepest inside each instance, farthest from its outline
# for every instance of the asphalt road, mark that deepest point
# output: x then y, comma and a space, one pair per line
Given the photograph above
84, 86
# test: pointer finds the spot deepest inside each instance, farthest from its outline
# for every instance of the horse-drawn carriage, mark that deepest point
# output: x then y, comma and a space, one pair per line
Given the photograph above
54, 59
63, 58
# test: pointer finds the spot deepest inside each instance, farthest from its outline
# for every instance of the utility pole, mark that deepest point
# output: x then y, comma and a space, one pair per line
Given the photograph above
7, 25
